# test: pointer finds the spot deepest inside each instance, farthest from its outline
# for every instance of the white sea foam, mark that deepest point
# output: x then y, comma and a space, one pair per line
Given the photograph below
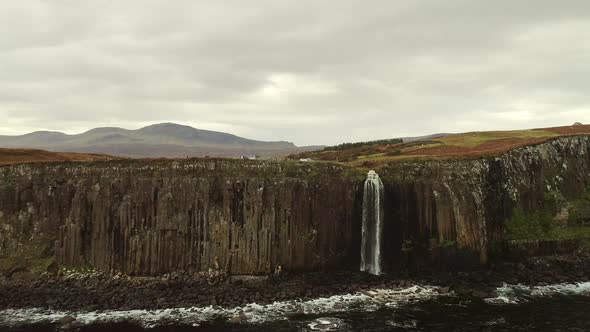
514, 294
327, 324
404, 324
251, 313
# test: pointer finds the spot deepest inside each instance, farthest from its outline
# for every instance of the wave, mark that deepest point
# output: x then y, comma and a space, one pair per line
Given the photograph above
515, 294
252, 313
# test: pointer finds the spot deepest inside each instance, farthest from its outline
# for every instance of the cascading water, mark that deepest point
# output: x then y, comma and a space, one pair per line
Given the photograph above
372, 224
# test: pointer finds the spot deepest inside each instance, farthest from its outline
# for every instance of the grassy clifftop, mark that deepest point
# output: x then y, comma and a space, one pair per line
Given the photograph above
454, 146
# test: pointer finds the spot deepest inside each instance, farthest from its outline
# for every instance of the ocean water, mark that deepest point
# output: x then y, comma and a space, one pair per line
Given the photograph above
563, 307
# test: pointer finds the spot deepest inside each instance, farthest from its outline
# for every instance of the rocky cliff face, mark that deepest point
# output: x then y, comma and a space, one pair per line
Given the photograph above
452, 212
147, 218
247, 217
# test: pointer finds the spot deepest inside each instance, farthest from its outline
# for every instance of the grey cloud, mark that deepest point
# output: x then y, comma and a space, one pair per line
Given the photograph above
312, 72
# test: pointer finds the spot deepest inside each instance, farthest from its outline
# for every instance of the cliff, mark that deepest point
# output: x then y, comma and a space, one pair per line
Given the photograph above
152, 217
247, 217
443, 212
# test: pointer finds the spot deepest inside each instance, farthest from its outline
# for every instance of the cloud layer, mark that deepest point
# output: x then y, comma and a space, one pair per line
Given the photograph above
308, 71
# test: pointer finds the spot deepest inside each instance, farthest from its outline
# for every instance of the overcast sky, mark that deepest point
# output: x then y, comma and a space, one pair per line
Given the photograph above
307, 71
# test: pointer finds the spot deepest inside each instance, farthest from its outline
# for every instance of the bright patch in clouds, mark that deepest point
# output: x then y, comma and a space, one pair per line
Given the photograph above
281, 87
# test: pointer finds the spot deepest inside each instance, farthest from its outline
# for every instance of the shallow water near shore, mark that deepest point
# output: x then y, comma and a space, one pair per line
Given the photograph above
560, 307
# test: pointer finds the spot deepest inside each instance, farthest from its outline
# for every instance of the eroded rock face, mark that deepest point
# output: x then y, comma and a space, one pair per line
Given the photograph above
147, 218
247, 217
437, 208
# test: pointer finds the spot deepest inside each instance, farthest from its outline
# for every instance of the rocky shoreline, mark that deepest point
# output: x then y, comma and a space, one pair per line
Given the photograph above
94, 291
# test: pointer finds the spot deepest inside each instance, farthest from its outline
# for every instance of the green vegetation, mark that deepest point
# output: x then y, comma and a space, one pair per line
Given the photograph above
347, 146
474, 139
541, 227
579, 212
541, 224
455, 146
407, 246
35, 266
570, 232
33, 256
435, 243
554, 201
521, 225
447, 244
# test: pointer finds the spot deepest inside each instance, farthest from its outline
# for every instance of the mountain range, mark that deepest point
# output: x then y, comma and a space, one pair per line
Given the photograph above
159, 140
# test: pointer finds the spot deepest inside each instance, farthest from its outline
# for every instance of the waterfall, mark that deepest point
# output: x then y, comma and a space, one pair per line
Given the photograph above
372, 224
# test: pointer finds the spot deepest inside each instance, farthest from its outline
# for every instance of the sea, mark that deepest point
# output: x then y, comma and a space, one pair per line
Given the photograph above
559, 307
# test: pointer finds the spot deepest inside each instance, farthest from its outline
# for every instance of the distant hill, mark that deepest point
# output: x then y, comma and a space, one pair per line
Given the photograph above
160, 140
423, 138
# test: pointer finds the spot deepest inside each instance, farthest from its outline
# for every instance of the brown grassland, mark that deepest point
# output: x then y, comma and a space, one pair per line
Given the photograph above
22, 156
454, 146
